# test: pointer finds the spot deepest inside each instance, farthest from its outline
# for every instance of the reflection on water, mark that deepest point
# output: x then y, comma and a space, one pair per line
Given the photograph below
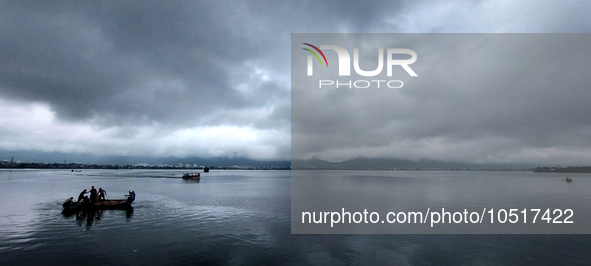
88, 217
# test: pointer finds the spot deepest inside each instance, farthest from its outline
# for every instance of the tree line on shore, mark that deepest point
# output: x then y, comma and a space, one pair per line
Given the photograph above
31, 165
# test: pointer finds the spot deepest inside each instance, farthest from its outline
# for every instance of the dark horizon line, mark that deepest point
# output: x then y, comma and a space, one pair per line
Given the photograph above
359, 162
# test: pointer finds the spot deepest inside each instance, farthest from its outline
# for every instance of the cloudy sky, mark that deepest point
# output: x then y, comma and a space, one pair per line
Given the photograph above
196, 78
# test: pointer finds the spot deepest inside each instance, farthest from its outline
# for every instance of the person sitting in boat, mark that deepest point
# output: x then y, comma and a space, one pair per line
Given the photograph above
102, 194
81, 196
68, 201
93, 194
131, 196
86, 200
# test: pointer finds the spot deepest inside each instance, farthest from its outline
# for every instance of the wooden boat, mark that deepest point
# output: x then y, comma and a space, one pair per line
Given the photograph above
105, 204
196, 176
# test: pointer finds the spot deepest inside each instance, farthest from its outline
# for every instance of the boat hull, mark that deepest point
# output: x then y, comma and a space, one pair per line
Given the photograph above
191, 177
106, 204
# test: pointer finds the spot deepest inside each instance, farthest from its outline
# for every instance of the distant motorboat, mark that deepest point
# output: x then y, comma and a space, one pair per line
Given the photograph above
196, 176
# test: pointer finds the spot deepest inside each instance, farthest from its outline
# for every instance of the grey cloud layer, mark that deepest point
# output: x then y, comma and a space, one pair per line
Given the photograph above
146, 61
135, 61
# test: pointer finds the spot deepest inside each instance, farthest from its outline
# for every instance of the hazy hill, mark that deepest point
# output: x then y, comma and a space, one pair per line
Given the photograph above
377, 163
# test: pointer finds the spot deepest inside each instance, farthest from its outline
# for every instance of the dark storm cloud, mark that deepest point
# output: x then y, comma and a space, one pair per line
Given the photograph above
145, 61
131, 60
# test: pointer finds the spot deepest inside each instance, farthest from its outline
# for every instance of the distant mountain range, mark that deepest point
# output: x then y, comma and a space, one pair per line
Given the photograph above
358, 163
376, 163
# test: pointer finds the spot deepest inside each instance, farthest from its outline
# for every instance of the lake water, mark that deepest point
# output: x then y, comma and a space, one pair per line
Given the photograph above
505, 197
237, 218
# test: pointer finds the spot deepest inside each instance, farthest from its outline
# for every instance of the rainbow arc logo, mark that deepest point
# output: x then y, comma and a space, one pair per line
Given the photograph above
317, 49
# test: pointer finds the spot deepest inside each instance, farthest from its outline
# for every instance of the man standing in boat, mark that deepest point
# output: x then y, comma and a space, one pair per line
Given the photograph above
81, 196
102, 194
93, 195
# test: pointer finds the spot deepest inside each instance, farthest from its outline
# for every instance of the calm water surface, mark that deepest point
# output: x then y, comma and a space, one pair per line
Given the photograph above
235, 218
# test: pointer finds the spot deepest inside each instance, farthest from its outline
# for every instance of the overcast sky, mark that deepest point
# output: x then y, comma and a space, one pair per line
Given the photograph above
479, 98
189, 78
